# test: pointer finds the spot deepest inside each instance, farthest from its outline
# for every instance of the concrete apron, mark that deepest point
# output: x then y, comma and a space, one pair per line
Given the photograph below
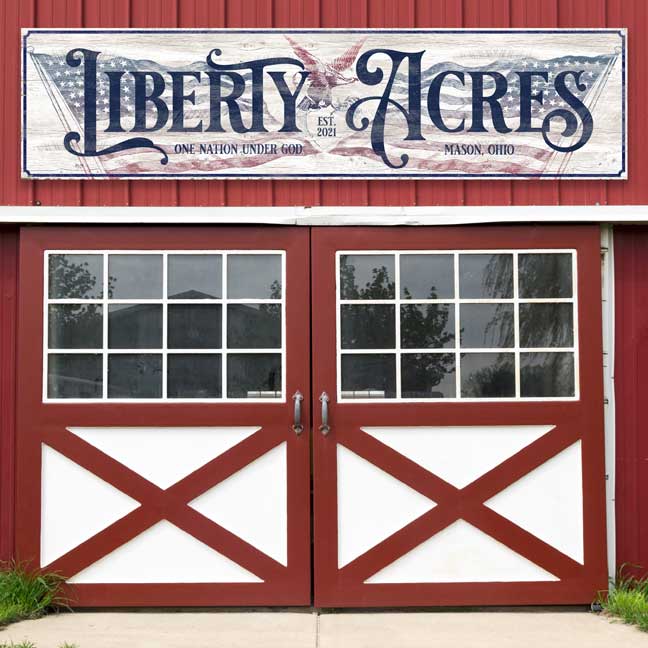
306, 629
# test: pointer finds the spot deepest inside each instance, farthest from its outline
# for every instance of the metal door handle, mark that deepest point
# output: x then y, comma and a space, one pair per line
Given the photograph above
325, 428
297, 427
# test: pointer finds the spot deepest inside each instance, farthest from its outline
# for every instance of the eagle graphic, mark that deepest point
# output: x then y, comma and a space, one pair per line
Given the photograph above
322, 76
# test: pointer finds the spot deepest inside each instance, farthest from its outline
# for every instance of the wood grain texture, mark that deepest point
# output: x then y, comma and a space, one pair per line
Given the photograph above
373, 105
332, 13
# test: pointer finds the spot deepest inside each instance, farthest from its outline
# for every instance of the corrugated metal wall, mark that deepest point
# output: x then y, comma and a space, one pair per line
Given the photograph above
631, 387
8, 315
632, 251
321, 13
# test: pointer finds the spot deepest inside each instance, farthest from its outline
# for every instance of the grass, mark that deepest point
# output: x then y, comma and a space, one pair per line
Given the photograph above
628, 600
26, 594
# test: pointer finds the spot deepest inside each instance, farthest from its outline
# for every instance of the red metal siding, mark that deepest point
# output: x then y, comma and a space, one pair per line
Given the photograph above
320, 13
631, 386
632, 244
8, 306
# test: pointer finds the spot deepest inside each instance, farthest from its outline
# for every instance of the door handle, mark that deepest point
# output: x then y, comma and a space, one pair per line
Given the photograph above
297, 427
325, 428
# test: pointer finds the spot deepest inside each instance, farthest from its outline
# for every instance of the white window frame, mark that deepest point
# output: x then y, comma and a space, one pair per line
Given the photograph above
457, 350
105, 301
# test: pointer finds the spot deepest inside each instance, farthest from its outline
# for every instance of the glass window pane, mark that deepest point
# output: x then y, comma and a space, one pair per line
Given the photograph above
254, 276
546, 374
135, 276
546, 325
430, 326
487, 375
74, 376
135, 375
194, 326
369, 326
486, 276
427, 276
369, 375
545, 275
194, 376
75, 326
428, 375
254, 326
367, 276
135, 326
194, 276
254, 375
486, 325
75, 276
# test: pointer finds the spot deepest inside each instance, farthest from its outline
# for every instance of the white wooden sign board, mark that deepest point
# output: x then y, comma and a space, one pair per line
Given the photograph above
132, 103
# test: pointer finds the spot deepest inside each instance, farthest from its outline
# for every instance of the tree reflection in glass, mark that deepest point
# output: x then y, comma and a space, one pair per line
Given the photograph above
545, 275
75, 276
427, 326
487, 375
367, 277
486, 276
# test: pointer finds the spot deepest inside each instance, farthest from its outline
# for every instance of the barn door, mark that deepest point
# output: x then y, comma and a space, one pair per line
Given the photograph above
458, 433
158, 462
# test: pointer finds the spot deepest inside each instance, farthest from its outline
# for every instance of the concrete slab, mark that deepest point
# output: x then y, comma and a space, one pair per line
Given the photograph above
169, 630
306, 629
471, 629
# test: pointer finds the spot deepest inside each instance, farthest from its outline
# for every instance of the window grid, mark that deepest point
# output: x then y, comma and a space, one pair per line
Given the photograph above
105, 301
397, 332
165, 319
516, 323
456, 301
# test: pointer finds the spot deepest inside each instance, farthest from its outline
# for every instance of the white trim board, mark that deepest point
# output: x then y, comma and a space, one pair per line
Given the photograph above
326, 216
607, 276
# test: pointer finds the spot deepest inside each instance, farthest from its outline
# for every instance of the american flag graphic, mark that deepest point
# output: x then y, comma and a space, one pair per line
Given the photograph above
330, 90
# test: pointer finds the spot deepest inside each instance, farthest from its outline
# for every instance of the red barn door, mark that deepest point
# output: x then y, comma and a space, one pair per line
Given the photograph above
460, 459
157, 459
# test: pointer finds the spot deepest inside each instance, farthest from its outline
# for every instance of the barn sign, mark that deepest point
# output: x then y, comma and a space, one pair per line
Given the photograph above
323, 103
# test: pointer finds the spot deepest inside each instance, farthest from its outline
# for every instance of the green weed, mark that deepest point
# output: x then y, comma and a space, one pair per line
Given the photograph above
628, 600
27, 594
